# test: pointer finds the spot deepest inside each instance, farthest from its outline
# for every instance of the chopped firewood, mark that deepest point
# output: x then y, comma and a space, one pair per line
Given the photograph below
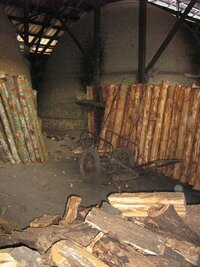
41, 239
189, 251
67, 253
137, 204
110, 209
168, 220
84, 212
45, 220
119, 254
72, 208
135, 235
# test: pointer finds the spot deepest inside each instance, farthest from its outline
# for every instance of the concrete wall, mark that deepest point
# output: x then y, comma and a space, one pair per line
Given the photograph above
11, 58
67, 71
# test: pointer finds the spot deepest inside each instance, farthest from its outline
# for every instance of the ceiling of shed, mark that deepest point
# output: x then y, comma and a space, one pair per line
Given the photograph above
37, 21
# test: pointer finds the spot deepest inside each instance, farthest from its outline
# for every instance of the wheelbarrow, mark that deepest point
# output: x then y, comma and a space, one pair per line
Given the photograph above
94, 162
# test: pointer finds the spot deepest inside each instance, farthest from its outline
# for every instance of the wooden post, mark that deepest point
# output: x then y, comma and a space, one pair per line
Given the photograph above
142, 41
97, 64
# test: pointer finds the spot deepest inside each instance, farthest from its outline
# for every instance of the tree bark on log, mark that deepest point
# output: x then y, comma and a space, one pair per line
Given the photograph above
168, 220
117, 254
126, 231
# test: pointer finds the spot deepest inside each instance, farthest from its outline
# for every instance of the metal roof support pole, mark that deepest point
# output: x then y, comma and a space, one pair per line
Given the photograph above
171, 35
26, 27
142, 41
97, 66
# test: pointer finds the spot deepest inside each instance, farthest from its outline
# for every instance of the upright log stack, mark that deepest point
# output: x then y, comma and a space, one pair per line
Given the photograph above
20, 133
162, 121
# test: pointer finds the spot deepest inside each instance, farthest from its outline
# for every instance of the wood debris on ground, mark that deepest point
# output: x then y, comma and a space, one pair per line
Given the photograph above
102, 236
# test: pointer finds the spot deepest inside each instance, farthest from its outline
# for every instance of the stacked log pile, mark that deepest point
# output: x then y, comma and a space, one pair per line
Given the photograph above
101, 236
21, 136
161, 121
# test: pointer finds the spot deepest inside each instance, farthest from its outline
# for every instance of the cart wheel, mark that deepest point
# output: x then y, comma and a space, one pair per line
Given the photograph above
124, 155
89, 165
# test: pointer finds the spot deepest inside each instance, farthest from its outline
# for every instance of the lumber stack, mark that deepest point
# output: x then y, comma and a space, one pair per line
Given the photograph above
100, 236
21, 136
161, 121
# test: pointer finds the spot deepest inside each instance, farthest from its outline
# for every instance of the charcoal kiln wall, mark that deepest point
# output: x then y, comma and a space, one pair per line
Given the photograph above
12, 60
68, 71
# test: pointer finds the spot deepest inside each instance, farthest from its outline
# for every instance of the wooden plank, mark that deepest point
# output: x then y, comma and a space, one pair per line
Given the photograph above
126, 231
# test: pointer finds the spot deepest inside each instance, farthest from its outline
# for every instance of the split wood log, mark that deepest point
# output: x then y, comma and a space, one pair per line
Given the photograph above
194, 114
151, 123
9, 134
159, 121
41, 239
146, 114
67, 253
72, 209
126, 231
182, 131
189, 251
137, 204
168, 220
25, 110
118, 254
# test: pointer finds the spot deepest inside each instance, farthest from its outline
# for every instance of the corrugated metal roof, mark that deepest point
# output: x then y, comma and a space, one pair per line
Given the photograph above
69, 10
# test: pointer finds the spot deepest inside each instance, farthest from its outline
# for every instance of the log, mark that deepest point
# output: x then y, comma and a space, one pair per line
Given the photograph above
182, 131
9, 134
159, 121
146, 114
17, 131
137, 204
189, 251
118, 254
168, 220
118, 122
151, 123
67, 253
166, 123
126, 231
25, 110
41, 239
107, 112
45, 220
191, 129
5, 148
72, 209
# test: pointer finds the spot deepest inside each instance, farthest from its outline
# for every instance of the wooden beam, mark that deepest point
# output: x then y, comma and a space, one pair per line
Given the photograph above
26, 26
170, 35
97, 66
142, 42
48, 44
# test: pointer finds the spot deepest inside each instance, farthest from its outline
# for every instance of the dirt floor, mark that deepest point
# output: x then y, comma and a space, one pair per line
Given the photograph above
27, 192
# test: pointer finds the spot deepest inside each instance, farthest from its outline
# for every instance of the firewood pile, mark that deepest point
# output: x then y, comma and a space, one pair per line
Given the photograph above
21, 137
152, 235
161, 121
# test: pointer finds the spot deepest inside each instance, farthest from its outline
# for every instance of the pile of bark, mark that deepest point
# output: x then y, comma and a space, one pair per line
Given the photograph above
102, 236
21, 137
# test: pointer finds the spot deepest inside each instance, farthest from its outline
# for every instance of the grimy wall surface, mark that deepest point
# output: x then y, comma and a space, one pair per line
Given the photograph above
12, 60
68, 71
